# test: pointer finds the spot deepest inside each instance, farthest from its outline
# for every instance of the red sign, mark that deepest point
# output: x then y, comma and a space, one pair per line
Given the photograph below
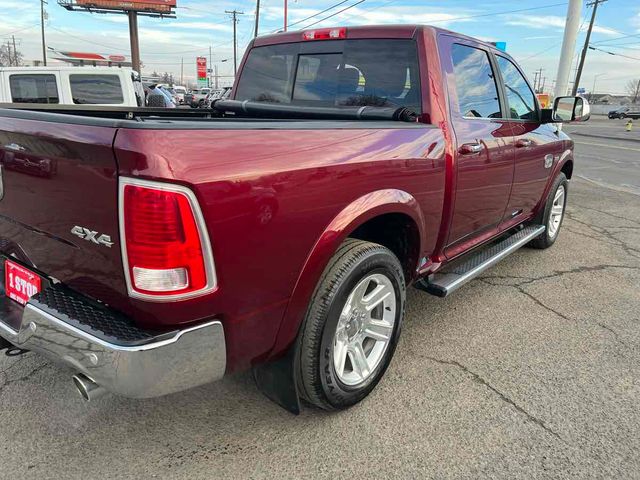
117, 58
20, 284
158, 6
202, 67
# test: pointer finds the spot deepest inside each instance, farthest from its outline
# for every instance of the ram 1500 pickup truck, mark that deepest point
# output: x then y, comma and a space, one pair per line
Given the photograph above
282, 233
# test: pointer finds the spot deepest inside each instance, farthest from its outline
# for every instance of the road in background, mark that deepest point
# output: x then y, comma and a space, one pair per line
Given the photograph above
532, 371
608, 154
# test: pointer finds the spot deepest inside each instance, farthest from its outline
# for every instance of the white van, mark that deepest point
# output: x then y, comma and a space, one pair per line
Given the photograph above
106, 86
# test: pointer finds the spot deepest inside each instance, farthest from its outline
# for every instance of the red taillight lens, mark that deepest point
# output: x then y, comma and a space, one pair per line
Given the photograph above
325, 34
165, 243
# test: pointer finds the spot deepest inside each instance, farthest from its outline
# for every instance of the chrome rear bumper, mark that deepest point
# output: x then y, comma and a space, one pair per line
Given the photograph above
158, 366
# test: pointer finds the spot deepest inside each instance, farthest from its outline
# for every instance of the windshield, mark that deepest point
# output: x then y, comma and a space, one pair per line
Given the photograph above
381, 73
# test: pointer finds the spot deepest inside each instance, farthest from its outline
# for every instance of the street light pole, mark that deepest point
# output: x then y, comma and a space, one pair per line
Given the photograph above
595, 77
286, 7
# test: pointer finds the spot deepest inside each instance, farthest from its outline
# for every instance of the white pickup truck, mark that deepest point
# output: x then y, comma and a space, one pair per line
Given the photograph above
71, 86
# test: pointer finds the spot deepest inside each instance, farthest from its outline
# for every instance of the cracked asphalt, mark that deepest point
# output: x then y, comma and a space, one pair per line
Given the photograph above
532, 371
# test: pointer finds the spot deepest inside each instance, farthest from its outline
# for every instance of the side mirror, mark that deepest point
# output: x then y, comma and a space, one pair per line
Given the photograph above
570, 109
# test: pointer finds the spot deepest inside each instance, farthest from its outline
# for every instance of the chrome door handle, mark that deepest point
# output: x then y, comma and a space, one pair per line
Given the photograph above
470, 148
524, 142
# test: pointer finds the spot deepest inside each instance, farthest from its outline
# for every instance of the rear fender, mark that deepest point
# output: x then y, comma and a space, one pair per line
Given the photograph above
351, 217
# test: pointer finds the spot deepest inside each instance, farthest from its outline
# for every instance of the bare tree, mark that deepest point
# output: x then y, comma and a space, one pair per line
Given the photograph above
10, 57
633, 89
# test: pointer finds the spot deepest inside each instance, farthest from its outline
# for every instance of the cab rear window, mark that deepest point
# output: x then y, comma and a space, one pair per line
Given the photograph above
34, 88
337, 73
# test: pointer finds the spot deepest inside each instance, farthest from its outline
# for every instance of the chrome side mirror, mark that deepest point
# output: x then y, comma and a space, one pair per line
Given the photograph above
570, 109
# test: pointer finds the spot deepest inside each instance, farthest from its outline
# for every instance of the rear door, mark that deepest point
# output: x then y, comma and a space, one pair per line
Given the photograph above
536, 146
59, 177
484, 157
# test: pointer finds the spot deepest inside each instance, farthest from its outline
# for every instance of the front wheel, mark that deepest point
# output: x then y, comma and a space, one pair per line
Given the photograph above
352, 326
553, 213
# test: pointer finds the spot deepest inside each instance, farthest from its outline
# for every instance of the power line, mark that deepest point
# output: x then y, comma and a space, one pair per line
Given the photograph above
591, 47
333, 14
318, 13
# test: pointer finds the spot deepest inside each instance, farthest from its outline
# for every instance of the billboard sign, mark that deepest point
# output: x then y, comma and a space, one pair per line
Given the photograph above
201, 63
153, 6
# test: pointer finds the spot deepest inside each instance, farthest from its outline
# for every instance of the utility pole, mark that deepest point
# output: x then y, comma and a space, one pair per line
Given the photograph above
286, 7
568, 46
182, 71
544, 81
235, 14
595, 4
44, 42
9, 53
133, 38
255, 32
215, 69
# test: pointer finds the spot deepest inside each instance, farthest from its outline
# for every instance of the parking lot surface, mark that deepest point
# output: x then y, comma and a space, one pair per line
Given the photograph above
532, 371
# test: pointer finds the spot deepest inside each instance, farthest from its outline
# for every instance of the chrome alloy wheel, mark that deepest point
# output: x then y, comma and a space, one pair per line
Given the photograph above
557, 211
364, 329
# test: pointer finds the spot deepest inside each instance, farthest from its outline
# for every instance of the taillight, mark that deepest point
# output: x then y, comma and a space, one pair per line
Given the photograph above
165, 246
325, 34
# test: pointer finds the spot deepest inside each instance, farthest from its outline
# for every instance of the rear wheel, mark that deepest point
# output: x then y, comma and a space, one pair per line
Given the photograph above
352, 326
553, 213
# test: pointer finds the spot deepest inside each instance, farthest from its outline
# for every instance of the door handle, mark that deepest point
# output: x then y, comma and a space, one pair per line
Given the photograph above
470, 148
524, 142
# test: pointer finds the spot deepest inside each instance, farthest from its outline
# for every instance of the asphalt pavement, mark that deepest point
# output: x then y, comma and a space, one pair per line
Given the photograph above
532, 371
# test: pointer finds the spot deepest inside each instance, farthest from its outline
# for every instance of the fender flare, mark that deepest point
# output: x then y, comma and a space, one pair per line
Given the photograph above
358, 212
566, 156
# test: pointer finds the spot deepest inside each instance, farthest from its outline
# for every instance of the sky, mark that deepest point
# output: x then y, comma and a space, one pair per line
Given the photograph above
532, 29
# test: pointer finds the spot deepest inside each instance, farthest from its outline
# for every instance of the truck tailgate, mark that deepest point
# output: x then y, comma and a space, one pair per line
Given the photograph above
58, 177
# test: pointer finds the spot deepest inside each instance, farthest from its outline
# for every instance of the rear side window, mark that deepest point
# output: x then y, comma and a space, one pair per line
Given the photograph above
521, 100
38, 88
88, 89
380, 73
475, 83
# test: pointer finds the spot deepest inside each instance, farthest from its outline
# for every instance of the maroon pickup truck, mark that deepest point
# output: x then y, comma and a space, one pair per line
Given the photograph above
281, 231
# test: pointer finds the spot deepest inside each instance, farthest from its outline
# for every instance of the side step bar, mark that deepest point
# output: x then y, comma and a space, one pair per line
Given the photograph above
443, 283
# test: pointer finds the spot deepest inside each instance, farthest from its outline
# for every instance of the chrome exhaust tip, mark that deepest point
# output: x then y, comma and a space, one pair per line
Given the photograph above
87, 388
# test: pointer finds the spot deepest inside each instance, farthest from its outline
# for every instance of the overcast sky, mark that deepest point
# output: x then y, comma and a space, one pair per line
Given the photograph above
533, 37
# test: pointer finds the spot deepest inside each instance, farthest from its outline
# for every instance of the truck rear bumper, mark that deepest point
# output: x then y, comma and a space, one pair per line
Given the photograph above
129, 362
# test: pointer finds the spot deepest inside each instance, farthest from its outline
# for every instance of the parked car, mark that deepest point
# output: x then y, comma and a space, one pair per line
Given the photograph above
218, 94
106, 86
196, 98
180, 93
283, 233
625, 112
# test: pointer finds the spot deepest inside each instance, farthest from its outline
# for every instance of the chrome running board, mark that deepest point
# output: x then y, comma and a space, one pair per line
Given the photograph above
444, 283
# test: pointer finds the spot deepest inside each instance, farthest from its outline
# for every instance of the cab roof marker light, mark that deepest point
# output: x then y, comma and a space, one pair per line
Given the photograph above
325, 34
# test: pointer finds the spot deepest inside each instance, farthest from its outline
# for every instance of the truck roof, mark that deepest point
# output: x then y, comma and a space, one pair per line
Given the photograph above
66, 68
364, 31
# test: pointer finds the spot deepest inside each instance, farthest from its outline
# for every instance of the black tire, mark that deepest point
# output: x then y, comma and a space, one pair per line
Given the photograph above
622, 116
316, 376
547, 239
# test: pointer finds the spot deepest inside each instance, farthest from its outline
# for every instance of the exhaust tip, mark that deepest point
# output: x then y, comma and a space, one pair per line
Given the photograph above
87, 388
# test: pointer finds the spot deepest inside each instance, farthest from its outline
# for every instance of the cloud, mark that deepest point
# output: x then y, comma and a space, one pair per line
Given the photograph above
544, 22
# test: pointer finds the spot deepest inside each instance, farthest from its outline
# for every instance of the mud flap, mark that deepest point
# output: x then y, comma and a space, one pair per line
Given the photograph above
277, 381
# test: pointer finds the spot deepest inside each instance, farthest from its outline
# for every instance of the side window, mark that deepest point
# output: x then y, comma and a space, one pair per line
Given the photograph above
475, 83
96, 89
38, 88
520, 98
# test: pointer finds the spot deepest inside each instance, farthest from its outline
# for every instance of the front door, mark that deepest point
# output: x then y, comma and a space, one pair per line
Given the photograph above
536, 145
484, 157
